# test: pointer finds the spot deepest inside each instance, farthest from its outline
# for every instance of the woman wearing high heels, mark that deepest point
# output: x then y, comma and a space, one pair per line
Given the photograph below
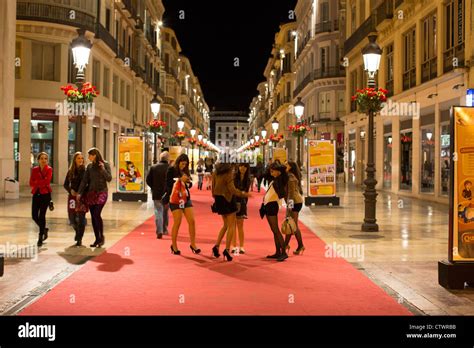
40, 183
242, 183
224, 190
178, 183
76, 209
294, 203
271, 205
94, 186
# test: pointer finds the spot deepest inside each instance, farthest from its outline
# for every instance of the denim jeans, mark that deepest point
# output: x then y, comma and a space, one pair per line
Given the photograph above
161, 216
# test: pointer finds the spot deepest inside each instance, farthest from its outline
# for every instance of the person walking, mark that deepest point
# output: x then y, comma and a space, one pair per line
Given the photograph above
208, 175
271, 205
40, 183
225, 194
294, 204
76, 209
259, 171
267, 178
94, 186
178, 183
200, 172
241, 183
156, 180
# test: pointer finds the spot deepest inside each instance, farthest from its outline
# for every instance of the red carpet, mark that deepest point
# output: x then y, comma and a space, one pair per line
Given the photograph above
150, 281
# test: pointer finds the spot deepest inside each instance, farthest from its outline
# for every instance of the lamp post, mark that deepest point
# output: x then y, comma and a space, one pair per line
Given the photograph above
193, 133
299, 111
81, 49
264, 135
275, 126
155, 109
180, 126
199, 145
314, 127
371, 53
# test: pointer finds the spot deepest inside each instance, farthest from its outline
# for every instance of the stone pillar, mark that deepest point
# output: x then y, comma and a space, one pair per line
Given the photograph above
25, 143
7, 89
416, 157
61, 149
86, 135
395, 154
437, 140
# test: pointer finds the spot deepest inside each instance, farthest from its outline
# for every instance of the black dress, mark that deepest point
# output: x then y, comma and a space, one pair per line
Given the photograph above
242, 201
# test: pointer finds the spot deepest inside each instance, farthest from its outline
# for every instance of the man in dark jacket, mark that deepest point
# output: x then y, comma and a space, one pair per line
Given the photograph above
156, 180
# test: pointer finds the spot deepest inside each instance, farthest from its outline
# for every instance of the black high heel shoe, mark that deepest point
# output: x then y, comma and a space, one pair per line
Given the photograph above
227, 255
95, 244
195, 251
175, 252
215, 251
45, 235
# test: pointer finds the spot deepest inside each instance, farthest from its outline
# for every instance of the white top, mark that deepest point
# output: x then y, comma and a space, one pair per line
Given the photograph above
271, 196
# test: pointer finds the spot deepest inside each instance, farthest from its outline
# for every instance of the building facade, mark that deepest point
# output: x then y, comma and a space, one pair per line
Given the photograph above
230, 129
320, 76
133, 58
425, 66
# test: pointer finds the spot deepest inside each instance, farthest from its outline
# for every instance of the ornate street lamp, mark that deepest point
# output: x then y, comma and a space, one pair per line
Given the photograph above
314, 126
299, 112
264, 135
155, 109
81, 49
371, 53
180, 127
275, 125
193, 133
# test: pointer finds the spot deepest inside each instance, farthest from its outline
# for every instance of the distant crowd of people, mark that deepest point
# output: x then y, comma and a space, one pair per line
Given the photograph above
170, 184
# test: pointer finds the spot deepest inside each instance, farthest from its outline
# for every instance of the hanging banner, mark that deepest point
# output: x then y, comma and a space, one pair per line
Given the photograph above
461, 239
321, 168
130, 170
280, 154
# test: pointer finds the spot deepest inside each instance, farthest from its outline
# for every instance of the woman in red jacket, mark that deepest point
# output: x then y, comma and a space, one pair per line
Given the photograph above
40, 181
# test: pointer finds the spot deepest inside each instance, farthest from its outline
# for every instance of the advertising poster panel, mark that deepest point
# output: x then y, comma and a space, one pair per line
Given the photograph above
462, 198
130, 169
174, 151
321, 168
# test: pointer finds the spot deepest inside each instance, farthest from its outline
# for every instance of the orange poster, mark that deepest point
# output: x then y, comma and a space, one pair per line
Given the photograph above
321, 168
462, 231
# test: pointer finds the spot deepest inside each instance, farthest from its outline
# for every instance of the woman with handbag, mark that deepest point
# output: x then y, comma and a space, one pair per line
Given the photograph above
94, 182
200, 172
76, 209
242, 183
294, 204
178, 183
271, 205
225, 194
40, 183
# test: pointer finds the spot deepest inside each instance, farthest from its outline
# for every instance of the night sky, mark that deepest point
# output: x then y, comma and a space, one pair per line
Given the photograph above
213, 33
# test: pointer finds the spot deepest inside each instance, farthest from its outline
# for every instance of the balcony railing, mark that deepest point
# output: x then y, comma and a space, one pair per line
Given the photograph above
450, 54
429, 69
303, 84
130, 7
171, 101
303, 43
54, 14
121, 53
360, 34
138, 69
328, 72
383, 11
103, 34
160, 92
328, 26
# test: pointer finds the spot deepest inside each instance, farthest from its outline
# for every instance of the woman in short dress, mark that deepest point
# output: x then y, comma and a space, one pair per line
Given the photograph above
242, 183
294, 204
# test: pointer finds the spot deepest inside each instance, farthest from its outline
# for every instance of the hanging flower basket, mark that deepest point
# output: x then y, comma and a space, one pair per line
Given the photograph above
299, 129
192, 141
200, 144
180, 135
370, 99
276, 138
156, 126
264, 142
85, 95
405, 139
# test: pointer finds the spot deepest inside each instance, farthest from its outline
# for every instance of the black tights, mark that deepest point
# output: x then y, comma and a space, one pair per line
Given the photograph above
299, 239
39, 207
277, 236
97, 222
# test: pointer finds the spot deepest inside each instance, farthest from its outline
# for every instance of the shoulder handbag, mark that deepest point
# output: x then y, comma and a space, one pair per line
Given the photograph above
288, 226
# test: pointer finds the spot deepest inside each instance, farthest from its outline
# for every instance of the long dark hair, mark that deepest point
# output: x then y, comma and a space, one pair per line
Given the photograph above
73, 168
280, 183
295, 170
98, 156
223, 168
245, 183
182, 158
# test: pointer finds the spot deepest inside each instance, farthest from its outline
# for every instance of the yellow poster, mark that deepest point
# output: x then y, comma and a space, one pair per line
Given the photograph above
131, 152
279, 154
321, 168
174, 151
462, 235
